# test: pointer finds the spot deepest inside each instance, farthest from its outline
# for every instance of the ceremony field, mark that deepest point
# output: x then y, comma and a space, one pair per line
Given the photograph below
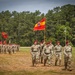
20, 63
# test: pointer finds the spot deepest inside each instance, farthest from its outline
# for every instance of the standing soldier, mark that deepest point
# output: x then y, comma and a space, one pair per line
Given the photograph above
67, 56
0, 48
58, 52
34, 52
47, 54
52, 50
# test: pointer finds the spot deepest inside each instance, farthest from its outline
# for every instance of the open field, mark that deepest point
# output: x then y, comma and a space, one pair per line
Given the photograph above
20, 64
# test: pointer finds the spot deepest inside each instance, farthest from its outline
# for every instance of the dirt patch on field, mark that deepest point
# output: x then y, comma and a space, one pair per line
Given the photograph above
21, 61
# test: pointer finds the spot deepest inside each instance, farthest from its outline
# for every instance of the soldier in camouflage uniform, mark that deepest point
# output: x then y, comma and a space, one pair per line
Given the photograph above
58, 53
10, 49
67, 56
47, 53
52, 50
0, 46
34, 52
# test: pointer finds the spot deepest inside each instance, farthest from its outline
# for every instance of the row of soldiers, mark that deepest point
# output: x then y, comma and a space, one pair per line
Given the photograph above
45, 51
9, 48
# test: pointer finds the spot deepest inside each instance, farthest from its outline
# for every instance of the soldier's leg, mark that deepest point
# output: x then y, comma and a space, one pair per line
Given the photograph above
69, 64
41, 59
45, 60
33, 59
56, 59
49, 59
59, 59
37, 57
42, 56
65, 62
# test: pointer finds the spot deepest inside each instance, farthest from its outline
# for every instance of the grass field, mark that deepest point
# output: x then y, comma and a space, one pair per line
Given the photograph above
20, 64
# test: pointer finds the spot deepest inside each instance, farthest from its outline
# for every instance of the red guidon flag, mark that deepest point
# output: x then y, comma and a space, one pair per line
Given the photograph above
4, 35
40, 25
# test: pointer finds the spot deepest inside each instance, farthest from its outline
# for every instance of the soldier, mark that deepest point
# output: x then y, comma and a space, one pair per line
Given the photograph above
67, 56
34, 52
58, 51
0, 48
9, 48
47, 53
52, 50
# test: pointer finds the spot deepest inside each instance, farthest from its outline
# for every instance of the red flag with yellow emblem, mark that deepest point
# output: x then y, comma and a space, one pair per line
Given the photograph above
40, 25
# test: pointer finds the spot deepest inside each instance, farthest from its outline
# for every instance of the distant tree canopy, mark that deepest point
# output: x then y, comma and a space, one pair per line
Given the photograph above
19, 25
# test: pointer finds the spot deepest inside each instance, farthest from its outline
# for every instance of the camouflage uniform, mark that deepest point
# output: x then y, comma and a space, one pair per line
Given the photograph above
58, 52
34, 53
67, 57
41, 51
9, 49
47, 54
52, 50
0, 48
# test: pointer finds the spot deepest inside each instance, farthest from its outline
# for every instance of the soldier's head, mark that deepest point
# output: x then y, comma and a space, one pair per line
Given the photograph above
35, 42
67, 42
58, 43
47, 43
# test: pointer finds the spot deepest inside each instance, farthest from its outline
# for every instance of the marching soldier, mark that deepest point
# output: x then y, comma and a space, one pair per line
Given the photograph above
0, 48
58, 52
34, 52
67, 56
10, 49
47, 54
52, 50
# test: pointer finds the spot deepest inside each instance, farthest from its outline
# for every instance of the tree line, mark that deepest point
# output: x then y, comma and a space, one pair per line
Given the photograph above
60, 23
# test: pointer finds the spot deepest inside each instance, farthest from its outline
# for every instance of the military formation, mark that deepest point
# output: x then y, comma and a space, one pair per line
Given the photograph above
45, 53
9, 48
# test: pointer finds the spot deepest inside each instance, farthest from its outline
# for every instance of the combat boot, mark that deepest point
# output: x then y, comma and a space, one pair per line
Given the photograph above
65, 66
59, 62
45, 62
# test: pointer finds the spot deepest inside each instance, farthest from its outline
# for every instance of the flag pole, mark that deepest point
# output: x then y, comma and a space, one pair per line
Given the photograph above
65, 35
44, 35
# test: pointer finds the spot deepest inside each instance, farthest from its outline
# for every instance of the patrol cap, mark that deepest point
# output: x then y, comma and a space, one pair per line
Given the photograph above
35, 41
58, 42
67, 42
47, 43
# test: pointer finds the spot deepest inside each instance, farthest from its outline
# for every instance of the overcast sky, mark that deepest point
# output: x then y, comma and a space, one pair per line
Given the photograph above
32, 5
